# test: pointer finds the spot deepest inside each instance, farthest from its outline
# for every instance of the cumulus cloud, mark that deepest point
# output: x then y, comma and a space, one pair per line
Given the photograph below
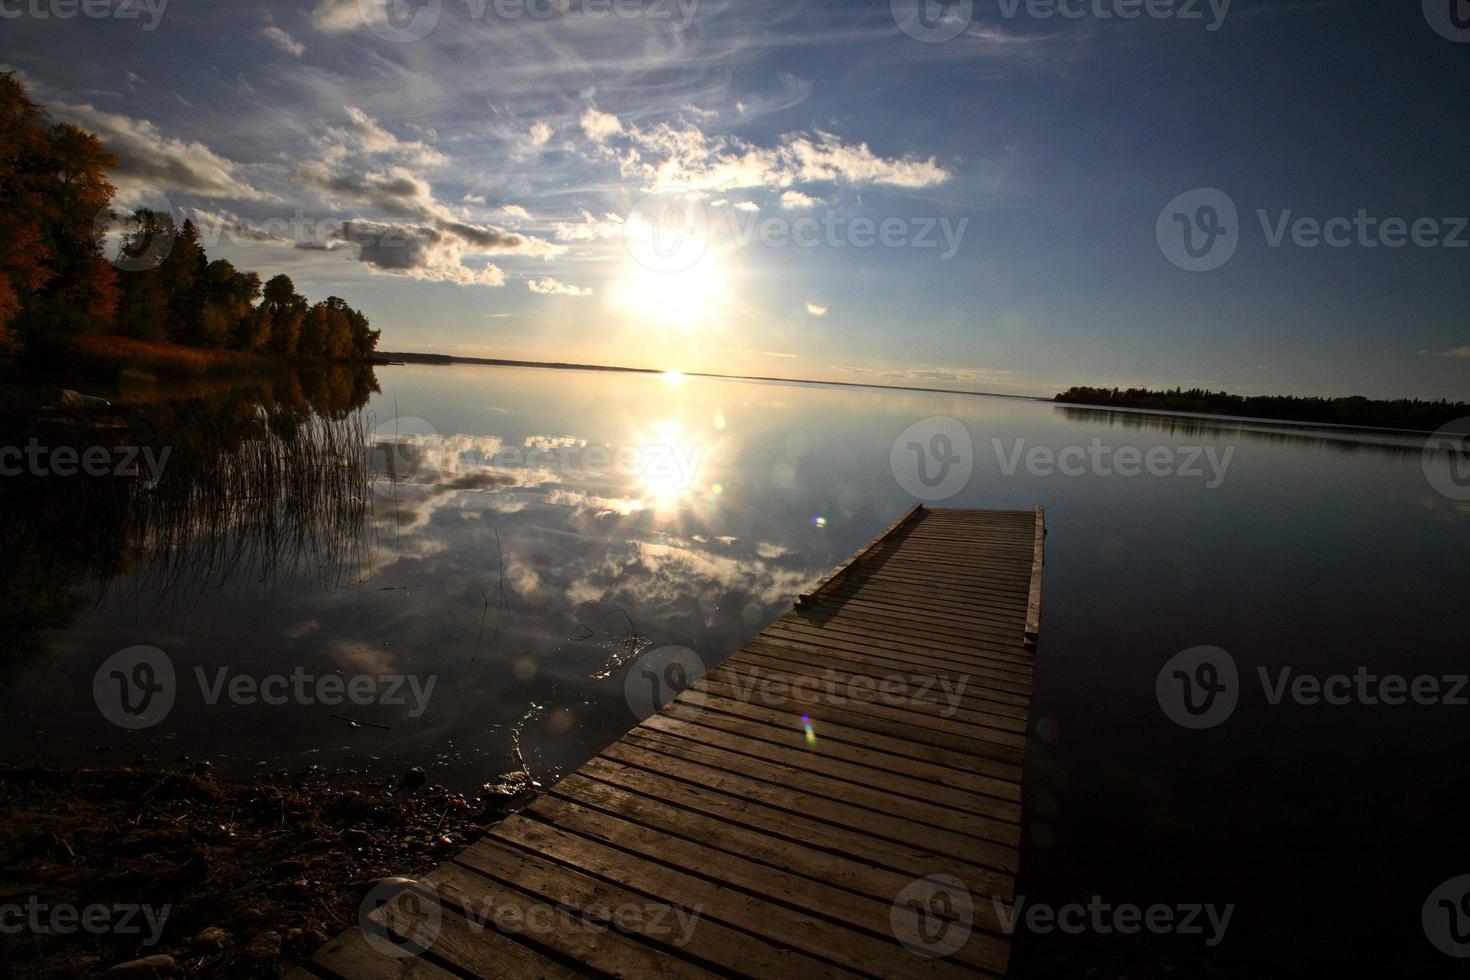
395, 191
148, 161
797, 201
681, 157
814, 309
418, 251
540, 133
600, 126
284, 41
400, 193
548, 286
364, 134
589, 229
335, 16
828, 158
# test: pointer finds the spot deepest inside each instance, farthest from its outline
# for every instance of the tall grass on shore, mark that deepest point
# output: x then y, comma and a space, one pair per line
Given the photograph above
252, 489
287, 500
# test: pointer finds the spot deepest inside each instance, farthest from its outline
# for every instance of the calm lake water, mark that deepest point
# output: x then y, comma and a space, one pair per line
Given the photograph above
545, 528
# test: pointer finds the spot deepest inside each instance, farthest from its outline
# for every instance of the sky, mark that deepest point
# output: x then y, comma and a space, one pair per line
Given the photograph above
1000, 195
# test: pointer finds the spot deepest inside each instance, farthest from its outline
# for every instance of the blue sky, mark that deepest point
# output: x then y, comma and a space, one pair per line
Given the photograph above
471, 189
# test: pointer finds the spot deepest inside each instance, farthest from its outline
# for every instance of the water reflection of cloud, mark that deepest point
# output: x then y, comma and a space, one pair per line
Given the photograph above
584, 503
589, 536
359, 656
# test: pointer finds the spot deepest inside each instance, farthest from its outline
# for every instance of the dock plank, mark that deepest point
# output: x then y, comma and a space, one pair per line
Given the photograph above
791, 807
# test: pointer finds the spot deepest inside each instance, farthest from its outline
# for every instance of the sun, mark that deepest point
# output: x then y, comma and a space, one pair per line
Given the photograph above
691, 299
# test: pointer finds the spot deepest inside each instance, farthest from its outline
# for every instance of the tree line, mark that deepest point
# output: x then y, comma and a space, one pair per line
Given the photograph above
56, 282
1399, 413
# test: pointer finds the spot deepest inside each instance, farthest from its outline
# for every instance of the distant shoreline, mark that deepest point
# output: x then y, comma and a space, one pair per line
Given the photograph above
391, 357
1061, 401
1396, 415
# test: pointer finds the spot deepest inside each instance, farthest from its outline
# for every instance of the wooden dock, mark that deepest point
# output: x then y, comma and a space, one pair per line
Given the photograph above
842, 796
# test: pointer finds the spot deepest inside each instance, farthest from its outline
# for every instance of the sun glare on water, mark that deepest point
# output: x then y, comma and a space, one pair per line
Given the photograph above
671, 464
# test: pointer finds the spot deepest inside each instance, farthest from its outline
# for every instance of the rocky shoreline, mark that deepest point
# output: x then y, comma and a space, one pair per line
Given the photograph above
150, 871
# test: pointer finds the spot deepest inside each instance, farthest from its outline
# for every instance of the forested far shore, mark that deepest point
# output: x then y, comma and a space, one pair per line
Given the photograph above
59, 287
1399, 413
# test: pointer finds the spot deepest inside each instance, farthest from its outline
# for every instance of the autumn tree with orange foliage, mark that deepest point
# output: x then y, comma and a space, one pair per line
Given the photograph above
55, 281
